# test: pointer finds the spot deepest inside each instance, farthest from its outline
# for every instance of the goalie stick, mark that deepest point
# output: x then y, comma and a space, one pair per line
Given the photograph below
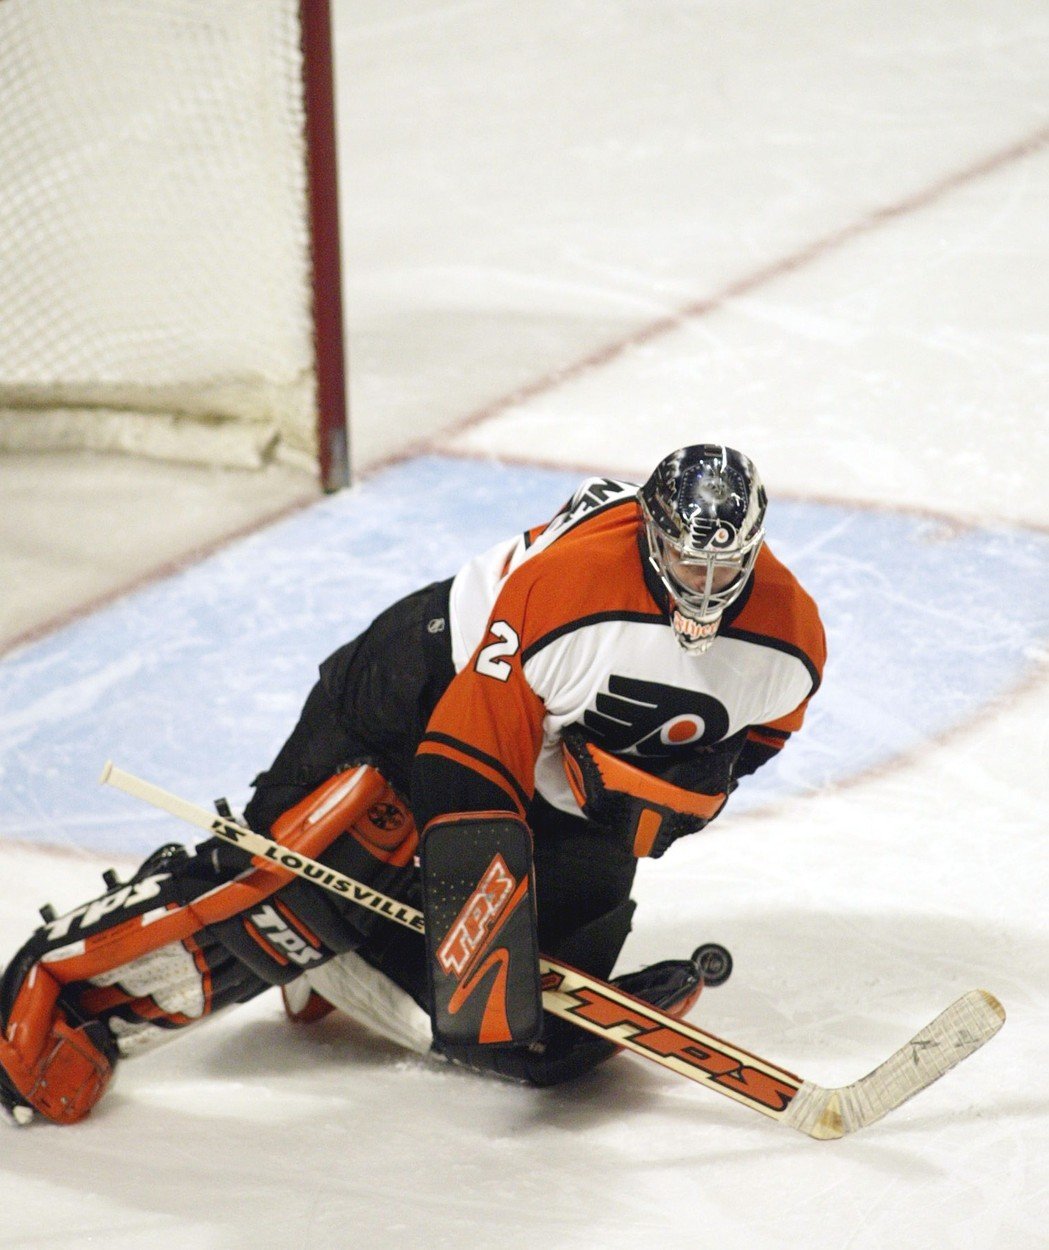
606, 1011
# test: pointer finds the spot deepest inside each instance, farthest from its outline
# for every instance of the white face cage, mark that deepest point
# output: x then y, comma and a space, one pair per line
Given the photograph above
701, 584
704, 511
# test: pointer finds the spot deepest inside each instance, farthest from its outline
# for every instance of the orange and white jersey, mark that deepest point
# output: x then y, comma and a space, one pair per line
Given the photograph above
567, 624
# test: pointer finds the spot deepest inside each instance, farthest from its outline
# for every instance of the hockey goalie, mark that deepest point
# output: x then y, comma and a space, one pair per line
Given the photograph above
498, 750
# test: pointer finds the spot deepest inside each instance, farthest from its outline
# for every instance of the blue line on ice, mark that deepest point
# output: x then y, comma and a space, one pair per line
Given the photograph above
194, 682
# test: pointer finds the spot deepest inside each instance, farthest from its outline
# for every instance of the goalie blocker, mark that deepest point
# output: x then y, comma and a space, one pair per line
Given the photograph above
481, 941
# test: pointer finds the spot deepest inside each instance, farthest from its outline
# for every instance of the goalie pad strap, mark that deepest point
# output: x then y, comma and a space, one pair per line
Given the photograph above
481, 942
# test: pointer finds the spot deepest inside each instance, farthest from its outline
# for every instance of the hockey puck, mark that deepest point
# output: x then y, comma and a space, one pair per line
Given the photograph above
714, 963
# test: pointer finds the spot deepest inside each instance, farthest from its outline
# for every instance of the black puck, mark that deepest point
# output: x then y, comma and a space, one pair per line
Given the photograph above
714, 962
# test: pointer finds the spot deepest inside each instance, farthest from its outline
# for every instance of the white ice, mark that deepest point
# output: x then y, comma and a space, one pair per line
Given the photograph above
582, 234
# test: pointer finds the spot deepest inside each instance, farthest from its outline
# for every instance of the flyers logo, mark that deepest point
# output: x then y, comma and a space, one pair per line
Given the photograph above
720, 538
479, 916
653, 719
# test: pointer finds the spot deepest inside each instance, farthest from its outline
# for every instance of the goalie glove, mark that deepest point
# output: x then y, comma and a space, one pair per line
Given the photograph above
651, 811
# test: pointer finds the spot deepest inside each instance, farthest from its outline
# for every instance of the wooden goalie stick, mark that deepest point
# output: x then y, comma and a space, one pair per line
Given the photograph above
606, 1011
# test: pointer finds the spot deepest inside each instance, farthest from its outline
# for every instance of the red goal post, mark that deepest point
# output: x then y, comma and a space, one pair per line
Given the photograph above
170, 279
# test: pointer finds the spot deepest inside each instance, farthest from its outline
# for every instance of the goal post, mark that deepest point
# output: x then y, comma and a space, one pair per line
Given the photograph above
170, 278
323, 194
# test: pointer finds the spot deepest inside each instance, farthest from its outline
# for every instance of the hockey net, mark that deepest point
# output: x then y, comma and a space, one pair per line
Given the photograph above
169, 280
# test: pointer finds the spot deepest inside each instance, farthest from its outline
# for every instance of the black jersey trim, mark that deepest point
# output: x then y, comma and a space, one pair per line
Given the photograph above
775, 644
596, 618
484, 758
769, 732
737, 605
566, 510
626, 493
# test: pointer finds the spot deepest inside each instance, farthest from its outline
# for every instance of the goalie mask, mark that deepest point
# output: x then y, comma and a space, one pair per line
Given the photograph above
704, 512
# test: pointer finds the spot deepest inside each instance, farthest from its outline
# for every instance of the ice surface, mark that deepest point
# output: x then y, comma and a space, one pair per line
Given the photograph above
532, 184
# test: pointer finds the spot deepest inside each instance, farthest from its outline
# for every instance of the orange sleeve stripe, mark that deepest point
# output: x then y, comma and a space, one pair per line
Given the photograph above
784, 726
555, 593
493, 771
496, 723
778, 613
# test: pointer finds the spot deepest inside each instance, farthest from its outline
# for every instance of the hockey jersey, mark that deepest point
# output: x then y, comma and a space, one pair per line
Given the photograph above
568, 625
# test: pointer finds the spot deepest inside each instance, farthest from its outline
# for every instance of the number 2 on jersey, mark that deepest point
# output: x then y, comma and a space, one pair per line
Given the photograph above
490, 661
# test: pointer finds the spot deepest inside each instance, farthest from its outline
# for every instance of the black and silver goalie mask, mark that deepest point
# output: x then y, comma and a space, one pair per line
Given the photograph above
704, 512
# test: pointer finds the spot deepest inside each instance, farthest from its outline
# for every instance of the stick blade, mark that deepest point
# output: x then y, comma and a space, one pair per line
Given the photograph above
953, 1036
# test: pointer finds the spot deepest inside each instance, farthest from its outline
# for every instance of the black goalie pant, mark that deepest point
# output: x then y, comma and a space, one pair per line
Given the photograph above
373, 700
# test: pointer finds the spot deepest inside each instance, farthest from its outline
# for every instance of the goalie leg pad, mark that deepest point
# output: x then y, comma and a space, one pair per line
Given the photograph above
143, 1002
481, 944
105, 980
368, 835
168, 947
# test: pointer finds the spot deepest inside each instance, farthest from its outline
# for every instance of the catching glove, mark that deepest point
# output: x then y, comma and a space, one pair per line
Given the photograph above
652, 811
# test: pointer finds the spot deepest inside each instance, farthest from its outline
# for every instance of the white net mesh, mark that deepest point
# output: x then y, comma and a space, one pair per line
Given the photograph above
154, 249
